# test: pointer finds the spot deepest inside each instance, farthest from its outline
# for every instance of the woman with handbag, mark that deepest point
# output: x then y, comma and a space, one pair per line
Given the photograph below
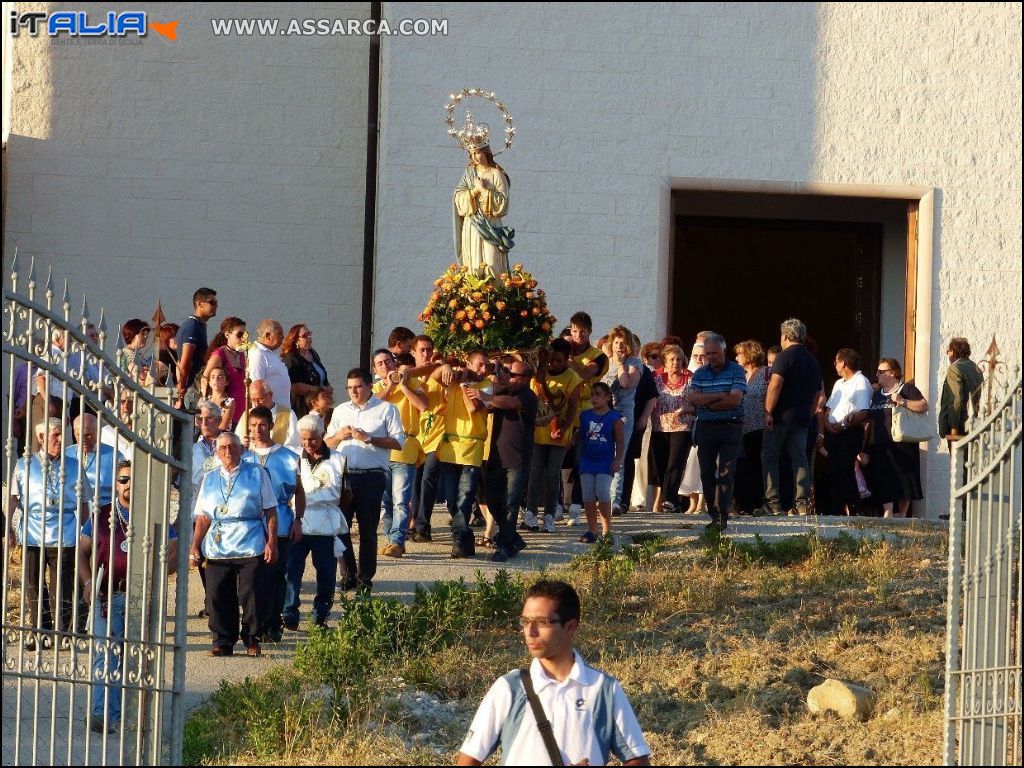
893, 467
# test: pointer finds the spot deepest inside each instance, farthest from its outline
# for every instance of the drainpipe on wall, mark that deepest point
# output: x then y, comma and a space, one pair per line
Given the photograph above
370, 204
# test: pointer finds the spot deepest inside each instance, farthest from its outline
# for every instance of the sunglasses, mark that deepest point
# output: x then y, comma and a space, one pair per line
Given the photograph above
883, 370
124, 479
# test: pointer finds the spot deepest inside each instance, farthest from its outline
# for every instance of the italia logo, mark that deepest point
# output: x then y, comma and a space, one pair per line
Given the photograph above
81, 24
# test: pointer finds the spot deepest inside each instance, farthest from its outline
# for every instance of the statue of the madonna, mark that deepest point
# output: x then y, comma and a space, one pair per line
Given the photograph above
480, 203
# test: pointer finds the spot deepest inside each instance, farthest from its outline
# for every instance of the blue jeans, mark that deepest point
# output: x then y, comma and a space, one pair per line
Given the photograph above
107, 663
459, 485
619, 478
322, 549
504, 489
399, 487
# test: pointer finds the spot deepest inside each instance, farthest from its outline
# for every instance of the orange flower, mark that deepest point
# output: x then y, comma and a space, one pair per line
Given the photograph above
486, 315
483, 307
453, 303
467, 327
451, 327
479, 322
531, 284
523, 313
460, 315
500, 305
428, 313
477, 296
470, 312
535, 311
546, 327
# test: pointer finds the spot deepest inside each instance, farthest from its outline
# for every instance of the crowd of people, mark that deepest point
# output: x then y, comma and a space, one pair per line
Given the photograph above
579, 434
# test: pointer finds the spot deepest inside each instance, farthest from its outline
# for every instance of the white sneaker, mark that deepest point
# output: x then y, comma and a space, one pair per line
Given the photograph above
529, 521
549, 524
574, 516
559, 514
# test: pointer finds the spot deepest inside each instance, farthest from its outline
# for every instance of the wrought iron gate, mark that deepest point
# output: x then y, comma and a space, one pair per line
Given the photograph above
78, 646
983, 649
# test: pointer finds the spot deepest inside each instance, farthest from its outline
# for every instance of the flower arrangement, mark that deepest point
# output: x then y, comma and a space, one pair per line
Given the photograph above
478, 310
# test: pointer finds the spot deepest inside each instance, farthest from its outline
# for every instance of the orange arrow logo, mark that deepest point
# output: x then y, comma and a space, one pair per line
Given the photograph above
168, 29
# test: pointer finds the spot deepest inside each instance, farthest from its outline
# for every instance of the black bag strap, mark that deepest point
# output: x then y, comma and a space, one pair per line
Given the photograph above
543, 724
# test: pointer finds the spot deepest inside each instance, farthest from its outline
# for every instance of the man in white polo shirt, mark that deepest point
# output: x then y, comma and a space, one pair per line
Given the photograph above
589, 714
364, 431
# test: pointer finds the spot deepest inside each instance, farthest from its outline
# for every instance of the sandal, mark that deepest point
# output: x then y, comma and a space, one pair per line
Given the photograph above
485, 541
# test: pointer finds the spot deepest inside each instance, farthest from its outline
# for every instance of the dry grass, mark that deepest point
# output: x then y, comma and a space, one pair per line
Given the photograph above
716, 652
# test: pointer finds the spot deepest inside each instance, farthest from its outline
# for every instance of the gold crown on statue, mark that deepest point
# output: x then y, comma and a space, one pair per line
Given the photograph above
473, 134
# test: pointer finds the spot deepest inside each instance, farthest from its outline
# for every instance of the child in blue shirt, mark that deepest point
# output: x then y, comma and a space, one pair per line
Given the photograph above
601, 437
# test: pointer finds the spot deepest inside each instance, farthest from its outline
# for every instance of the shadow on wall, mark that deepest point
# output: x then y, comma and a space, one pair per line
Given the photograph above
142, 172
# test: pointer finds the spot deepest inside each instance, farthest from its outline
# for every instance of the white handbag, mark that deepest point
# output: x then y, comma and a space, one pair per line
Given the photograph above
911, 427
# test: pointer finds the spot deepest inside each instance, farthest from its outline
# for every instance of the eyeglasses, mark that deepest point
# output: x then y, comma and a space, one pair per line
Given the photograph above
239, 333
884, 370
124, 479
539, 623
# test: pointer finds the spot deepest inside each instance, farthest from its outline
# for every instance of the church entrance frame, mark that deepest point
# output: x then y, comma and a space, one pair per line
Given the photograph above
919, 278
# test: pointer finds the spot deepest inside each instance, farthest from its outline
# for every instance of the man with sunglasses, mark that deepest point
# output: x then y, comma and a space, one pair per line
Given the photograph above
507, 470
588, 713
103, 569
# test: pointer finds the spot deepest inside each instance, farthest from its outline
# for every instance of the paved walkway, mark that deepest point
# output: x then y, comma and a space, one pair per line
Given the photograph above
424, 563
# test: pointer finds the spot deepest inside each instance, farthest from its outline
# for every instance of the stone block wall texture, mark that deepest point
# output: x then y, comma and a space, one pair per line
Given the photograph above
141, 172
613, 101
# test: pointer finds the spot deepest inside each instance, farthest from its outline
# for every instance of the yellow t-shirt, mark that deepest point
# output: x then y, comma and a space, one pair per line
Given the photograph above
587, 357
432, 418
412, 452
465, 430
560, 388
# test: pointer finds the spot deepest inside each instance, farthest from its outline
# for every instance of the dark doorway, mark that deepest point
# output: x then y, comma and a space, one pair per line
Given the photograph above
742, 277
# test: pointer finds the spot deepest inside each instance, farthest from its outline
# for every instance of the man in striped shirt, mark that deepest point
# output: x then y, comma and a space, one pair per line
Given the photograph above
717, 390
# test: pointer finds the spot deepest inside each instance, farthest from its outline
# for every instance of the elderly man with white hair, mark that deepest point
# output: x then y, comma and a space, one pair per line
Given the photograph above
96, 459
45, 514
236, 531
322, 473
285, 429
265, 361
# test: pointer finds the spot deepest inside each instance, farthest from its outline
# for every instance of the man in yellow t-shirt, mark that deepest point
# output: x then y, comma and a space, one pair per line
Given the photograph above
558, 387
408, 397
460, 451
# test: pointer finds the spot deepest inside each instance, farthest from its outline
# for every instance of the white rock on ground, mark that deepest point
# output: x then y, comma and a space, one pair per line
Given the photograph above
847, 700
